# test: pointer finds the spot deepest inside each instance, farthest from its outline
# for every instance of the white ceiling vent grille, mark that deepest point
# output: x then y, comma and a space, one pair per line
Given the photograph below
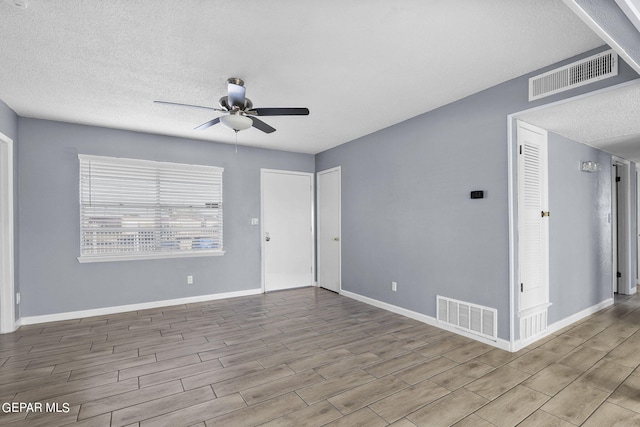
585, 71
472, 318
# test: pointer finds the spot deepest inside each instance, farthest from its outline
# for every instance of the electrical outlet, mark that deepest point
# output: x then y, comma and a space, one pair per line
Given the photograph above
394, 286
189, 280
17, 298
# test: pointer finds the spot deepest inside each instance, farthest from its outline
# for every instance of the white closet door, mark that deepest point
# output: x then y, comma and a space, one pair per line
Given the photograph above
533, 217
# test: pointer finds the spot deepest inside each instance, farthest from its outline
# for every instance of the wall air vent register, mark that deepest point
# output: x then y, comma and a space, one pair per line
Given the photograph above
473, 318
576, 74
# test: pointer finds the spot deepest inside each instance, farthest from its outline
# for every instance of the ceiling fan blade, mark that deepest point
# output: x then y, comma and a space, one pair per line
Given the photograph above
259, 124
280, 111
236, 95
188, 105
208, 124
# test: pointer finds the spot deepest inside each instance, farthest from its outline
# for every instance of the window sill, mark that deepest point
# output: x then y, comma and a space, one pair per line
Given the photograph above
133, 257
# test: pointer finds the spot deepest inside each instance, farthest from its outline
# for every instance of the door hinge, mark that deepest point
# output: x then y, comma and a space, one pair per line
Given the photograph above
619, 274
617, 179
521, 287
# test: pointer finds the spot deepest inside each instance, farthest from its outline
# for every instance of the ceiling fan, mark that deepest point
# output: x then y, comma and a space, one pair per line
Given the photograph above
240, 114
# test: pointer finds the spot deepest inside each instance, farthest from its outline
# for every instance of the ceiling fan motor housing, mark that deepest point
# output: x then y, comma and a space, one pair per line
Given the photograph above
224, 103
241, 114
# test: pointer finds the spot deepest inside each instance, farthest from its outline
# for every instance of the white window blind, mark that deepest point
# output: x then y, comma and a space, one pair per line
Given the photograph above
132, 209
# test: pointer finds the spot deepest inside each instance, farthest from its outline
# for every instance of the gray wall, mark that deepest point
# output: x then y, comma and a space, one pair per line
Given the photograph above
579, 228
8, 121
608, 16
52, 280
9, 127
406, 211
407, 215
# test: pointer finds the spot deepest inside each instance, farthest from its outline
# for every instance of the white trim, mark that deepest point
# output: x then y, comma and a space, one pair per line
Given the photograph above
110, 258
30, 320
627, 280
7, 285
511, 200
637, 236
326, 171
520, 344
499, 343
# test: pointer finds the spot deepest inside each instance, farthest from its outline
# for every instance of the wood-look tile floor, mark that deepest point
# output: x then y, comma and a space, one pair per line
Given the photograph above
309, 357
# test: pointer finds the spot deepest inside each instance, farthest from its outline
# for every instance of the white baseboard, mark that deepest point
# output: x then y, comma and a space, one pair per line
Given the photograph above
31, 320
499, 343
520, 344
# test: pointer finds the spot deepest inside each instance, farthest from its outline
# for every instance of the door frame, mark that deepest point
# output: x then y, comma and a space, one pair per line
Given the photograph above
262, 231
634, 289
544, 175
624, 245
7, 285
515, 345
326, 171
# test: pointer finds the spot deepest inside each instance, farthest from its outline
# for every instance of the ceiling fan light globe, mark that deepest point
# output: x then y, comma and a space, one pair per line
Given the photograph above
236, 122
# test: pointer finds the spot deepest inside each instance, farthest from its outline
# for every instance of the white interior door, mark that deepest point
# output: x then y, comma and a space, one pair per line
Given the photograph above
7, 311
533, 217
287, 229
621, 220
329, 232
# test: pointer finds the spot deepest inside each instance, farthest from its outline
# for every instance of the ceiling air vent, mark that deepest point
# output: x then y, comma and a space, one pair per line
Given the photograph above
585, 71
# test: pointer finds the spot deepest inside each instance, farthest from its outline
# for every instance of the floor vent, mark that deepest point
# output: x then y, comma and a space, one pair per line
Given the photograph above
472, 318
533, 325
585, 71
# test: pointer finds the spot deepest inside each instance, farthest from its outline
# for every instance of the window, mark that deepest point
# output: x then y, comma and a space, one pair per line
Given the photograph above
138, 209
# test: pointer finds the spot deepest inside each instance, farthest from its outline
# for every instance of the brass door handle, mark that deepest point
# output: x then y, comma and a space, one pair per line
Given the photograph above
543, 213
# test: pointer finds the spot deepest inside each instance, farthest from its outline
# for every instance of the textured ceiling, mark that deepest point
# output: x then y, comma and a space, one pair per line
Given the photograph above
608, 120
359, 66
